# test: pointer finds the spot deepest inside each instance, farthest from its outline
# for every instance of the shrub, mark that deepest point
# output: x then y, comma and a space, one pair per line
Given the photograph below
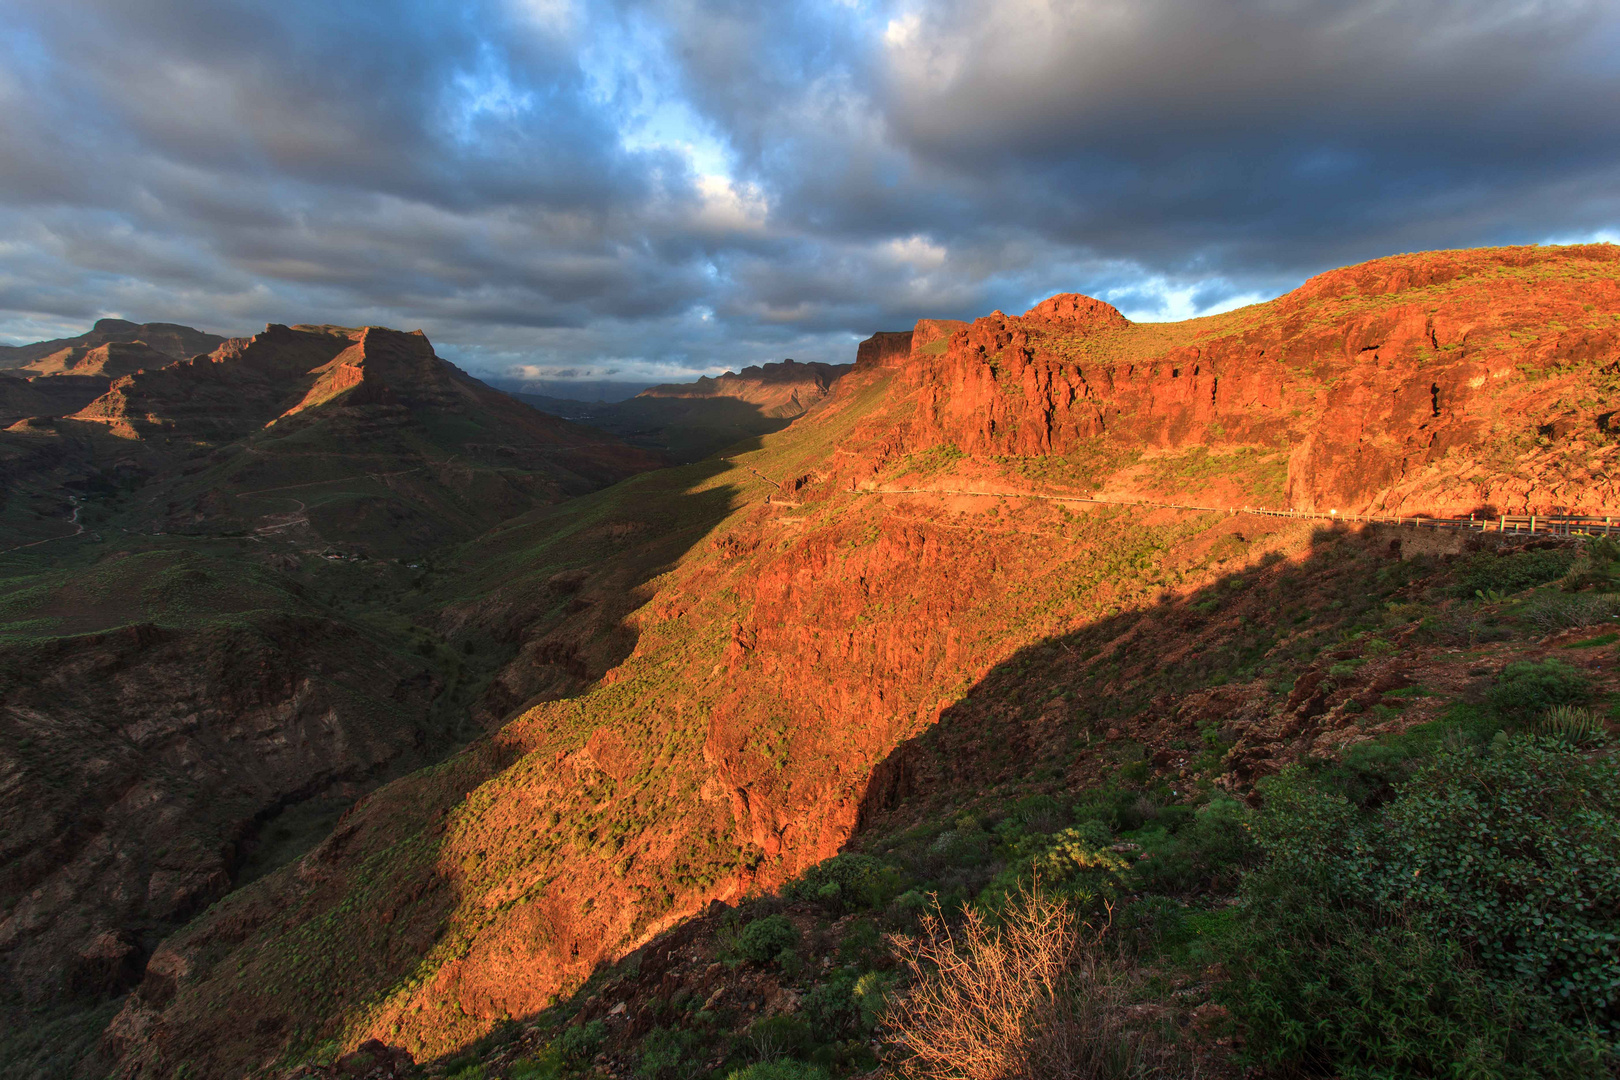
1551, 613
1207, 855
1072, 863
781, 1069
664, 1051
1039, 813
1598, 568
1322, 989
1472, 925
580, 1042
1528, 688
765, 939
848, 882
773, 1036
1517, 852
1485, 572
1025, 999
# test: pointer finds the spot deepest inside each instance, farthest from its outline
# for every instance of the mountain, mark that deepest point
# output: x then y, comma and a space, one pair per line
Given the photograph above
58, 378
690, 421
170, 340
895, 629
359, 437
212, 638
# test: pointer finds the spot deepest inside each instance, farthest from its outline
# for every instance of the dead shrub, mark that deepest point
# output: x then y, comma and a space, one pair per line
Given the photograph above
1038, 996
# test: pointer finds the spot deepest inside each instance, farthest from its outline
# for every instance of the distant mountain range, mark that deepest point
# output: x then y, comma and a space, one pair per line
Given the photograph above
63, 354
689, 421
380, 443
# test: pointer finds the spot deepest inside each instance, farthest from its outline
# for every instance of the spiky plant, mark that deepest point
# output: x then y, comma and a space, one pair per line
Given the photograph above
1573, 724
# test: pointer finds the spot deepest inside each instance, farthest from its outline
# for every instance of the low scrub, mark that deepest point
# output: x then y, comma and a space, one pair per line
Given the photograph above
1469, 927
1035, 995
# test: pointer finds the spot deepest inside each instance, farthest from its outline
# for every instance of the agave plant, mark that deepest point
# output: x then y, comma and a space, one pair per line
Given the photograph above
1573, 724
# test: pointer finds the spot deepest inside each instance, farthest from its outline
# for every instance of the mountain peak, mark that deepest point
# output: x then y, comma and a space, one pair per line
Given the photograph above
1086, 311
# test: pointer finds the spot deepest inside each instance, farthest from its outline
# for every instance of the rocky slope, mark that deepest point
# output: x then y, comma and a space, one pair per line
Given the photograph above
1442, 383
756, 636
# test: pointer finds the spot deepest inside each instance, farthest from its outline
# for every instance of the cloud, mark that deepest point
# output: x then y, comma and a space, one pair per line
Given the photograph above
646, 189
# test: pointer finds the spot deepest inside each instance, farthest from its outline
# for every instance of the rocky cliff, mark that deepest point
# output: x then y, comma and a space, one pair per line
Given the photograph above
1444, 383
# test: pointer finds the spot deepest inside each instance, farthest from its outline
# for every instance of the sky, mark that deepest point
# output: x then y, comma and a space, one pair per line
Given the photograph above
605, 189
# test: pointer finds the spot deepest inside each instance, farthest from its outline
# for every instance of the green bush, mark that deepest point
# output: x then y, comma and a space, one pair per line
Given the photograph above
848, 882
1573, 725
1039, 813
781, 1034
1471, 927
846, 1005
1517, 852
781, 1069
580, 1042
1506, 574
1528, 688
1598, 568
1207, 855
1323, 990
765, 939
1071, 863
665, 1051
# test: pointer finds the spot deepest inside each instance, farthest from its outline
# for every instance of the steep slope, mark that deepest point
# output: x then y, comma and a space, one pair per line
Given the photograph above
169, 339
751, 662
60, 395
689, 421
158, 709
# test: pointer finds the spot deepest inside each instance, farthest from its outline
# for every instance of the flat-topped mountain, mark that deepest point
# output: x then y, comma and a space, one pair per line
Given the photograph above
382, 442
66, 354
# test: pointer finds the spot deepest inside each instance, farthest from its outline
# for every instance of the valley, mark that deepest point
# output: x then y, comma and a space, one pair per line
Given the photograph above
348, 705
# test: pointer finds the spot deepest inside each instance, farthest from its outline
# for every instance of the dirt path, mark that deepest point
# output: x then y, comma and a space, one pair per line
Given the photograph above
78, 528
1563, 524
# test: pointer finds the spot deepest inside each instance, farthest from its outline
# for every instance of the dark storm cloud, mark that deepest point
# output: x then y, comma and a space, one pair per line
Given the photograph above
619, 188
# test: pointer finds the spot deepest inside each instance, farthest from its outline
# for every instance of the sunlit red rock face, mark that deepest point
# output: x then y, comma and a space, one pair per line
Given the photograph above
1437, 383
788, 637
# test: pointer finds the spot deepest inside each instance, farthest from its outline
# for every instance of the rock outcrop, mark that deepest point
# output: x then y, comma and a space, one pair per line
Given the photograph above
1418, 384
